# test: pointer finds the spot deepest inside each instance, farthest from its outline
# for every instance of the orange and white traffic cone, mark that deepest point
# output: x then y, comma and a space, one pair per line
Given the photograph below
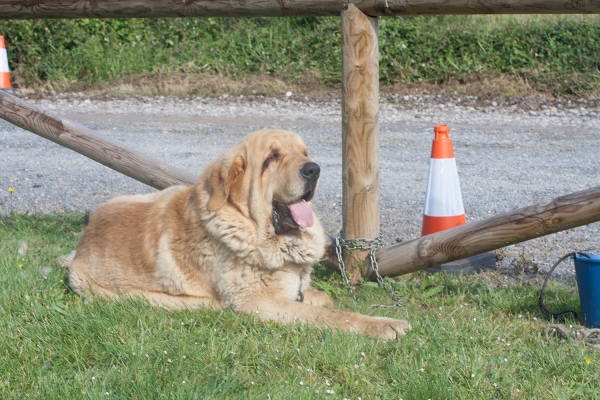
4, 71
443, 204
443, 200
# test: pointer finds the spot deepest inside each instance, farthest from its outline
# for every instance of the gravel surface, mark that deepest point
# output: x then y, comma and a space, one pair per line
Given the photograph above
510, 153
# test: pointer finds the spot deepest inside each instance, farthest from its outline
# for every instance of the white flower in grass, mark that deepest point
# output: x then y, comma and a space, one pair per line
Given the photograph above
301, 383
472, 375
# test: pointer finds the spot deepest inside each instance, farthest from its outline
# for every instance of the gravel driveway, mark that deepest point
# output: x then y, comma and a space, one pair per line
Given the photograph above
510, 153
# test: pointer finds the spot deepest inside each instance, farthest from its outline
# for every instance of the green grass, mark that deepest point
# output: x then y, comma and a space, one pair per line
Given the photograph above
469, 340
554, 54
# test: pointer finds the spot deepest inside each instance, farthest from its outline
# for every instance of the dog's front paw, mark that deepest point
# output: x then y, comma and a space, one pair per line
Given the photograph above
387, 328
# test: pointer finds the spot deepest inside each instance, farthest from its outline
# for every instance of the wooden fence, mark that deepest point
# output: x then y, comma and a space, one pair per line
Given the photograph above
360, 126
34, 9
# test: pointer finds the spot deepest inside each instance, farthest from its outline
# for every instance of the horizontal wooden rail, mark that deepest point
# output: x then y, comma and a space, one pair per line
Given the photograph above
57, 9
478, 237
91, 144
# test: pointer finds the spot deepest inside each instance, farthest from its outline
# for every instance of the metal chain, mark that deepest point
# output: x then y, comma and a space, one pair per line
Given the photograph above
339, 244
363, 244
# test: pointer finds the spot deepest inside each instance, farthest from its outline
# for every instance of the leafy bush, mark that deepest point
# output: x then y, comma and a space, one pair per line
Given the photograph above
557, 52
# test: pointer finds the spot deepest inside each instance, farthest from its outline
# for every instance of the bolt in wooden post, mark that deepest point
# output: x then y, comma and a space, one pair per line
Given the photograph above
360, 132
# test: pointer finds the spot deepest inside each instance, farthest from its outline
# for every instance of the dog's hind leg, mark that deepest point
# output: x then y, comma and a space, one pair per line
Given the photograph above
81, 283
176, 302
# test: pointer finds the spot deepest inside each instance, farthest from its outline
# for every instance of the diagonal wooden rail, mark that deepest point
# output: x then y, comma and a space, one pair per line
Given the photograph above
565, 212
34, 9
91, 144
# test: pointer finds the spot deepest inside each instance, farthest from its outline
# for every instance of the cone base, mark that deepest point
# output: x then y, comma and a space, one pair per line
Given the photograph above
5, 80
470, 265
437, 224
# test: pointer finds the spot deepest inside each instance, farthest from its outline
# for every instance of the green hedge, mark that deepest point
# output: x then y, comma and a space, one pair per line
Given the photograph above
559, 52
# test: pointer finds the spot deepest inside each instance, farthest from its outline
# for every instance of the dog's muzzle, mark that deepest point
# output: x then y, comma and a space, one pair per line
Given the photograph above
298, 214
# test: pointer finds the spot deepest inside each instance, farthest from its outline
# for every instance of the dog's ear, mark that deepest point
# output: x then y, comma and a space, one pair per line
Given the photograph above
221, 178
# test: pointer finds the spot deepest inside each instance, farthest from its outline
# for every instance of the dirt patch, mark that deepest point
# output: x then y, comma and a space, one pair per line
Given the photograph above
181, 83
482, 84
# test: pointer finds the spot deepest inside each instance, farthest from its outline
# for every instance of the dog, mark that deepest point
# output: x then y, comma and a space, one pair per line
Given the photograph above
244, 236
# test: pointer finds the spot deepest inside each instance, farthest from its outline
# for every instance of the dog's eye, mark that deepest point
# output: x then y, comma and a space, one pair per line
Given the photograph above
274, 156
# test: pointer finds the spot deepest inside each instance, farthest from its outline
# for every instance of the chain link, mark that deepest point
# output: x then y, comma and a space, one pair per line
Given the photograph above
363, 244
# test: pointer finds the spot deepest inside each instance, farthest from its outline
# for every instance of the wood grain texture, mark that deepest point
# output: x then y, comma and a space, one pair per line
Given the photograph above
91, 144
39, 9
474, 238
360, 130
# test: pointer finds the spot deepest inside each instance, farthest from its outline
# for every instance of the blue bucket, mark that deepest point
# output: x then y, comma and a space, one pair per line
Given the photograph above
587, 272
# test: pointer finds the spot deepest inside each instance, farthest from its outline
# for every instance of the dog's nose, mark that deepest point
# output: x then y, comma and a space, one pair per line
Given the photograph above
311, 171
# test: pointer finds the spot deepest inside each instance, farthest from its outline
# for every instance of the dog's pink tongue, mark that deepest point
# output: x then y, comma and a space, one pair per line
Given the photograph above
302, 214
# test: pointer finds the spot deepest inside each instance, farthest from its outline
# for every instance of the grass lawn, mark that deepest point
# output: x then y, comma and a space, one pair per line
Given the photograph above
473, 337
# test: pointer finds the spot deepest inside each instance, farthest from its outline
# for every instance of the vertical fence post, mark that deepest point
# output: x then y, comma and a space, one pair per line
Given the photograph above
360, 131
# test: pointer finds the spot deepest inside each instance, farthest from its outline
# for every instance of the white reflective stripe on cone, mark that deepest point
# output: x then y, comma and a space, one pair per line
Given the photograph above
3, 61
443, 198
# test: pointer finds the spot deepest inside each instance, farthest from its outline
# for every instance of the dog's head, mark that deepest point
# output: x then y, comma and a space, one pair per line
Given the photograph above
268, 177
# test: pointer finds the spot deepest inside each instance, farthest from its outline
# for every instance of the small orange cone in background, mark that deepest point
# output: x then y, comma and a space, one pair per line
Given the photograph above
443, 199
4, 71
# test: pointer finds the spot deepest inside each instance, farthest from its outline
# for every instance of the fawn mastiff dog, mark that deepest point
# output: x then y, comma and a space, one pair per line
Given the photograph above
244, 236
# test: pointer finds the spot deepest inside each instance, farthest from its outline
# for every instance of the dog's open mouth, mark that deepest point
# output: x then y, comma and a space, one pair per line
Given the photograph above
293, 215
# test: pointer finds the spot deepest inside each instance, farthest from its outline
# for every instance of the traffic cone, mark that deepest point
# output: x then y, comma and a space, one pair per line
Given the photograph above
443, 199
4, 71
443, 204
